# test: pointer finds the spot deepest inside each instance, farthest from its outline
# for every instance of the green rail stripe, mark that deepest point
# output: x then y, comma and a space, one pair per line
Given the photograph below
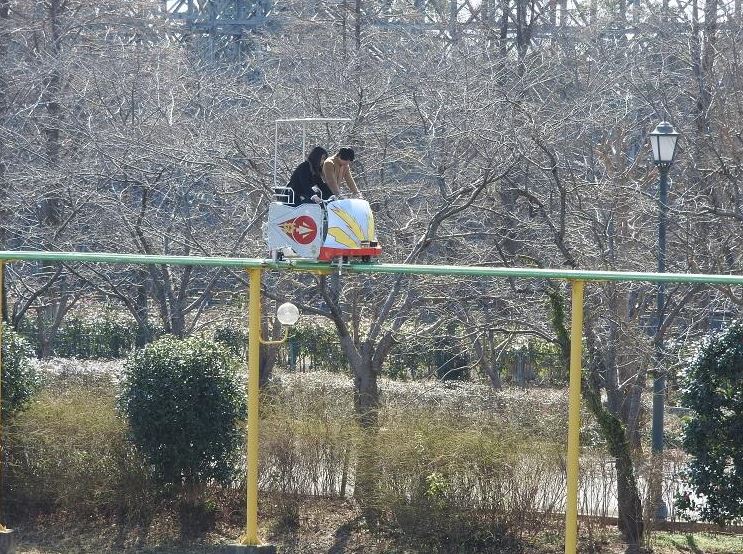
407, 269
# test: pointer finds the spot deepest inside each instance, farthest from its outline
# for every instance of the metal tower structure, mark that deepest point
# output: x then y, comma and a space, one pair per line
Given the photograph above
514, 23
220, 28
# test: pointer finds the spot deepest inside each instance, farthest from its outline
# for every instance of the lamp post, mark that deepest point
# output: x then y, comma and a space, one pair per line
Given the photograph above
663, 141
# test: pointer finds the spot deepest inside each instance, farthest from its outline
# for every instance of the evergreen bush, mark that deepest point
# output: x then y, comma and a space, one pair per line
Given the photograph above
105, 335
96, 333
712, 434
19, 377
232, 337
183, 402
315, 347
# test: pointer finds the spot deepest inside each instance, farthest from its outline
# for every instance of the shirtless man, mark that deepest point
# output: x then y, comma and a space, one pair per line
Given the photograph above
336, 169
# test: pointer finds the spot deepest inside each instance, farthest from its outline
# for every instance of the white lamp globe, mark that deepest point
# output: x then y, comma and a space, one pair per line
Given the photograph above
663, 141
287, 313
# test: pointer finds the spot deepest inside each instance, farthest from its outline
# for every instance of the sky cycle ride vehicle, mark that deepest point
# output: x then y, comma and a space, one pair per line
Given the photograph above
329, 230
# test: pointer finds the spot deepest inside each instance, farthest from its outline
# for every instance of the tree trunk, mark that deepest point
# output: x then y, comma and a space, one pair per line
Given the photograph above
357, 24
268, 353
144, 332
703, 45
365, 363
366, 393
628, 498
485, 351
4, 14
44, 347
366, 404
169, 301
51, 203
49, 320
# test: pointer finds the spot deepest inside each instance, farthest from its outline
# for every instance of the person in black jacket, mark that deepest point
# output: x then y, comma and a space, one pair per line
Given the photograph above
309, 175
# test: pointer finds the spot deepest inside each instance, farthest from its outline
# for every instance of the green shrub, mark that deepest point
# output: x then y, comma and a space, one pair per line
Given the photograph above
310, 346
182, 401
107, 334
19, 377
315, 347
231, 337
712, 433
94, 333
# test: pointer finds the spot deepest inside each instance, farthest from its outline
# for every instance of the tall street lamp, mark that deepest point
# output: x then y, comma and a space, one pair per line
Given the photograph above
663, 140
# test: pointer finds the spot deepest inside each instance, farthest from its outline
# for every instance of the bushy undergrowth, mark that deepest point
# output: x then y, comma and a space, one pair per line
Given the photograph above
19, 377
447, 480
307, 445
457, 487
68, 452
108, 335
91, 334
315, 346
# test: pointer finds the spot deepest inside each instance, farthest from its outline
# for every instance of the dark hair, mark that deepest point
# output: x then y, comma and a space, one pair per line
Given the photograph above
346, 154
315, 157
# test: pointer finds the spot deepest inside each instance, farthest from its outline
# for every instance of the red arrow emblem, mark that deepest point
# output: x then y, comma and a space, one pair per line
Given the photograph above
302, 229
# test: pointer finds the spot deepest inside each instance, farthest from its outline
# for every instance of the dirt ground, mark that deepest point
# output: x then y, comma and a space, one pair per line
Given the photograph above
328, 526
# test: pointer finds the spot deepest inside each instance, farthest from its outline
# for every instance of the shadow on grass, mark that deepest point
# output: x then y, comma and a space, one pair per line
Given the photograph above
342, 534
693, 544
206, 549
690, 545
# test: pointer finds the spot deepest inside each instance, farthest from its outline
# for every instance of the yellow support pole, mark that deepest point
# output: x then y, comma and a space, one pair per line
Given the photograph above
254, 344
576, 351
2, 332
